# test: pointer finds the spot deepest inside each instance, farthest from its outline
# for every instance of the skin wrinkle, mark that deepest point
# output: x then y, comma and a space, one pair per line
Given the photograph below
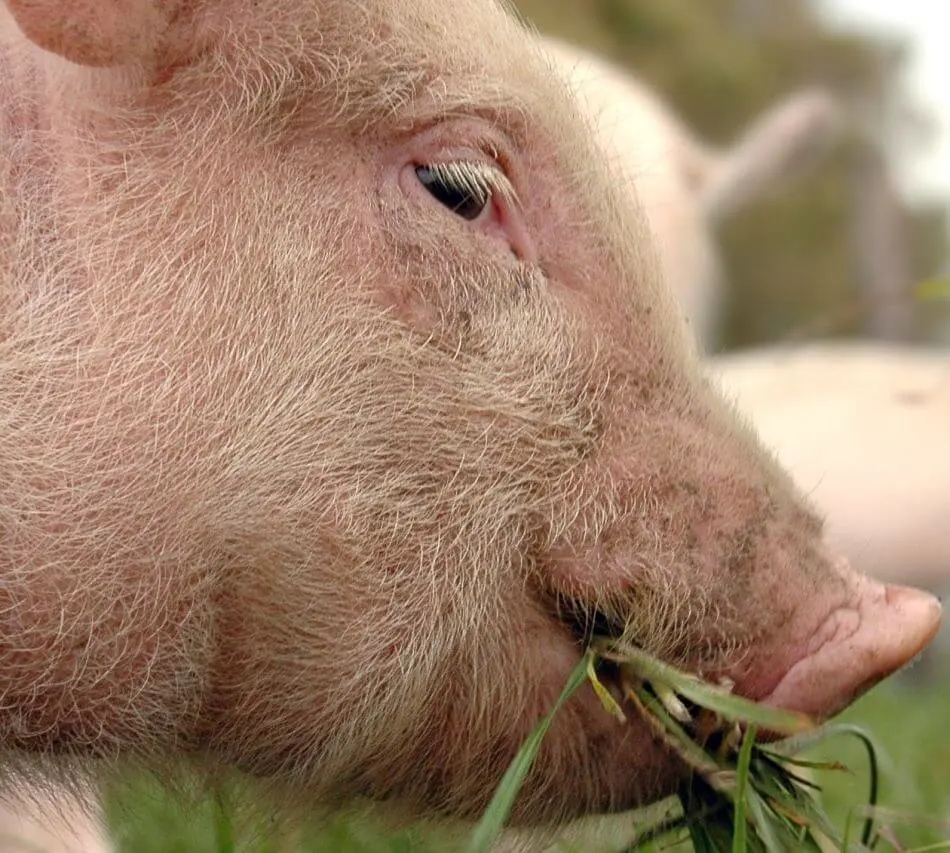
296, 466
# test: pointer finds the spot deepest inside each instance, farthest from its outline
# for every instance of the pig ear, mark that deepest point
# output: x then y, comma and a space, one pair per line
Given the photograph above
93, 32
780, 145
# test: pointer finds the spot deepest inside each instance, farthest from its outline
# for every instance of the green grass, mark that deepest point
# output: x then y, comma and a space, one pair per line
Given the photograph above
910, 725
912, 729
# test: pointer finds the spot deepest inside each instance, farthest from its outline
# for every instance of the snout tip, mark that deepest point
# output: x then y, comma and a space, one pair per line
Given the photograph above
881, 631
915, 621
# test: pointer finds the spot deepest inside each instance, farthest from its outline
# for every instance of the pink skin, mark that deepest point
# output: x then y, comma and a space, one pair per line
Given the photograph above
862, 427
306, 474
864, 640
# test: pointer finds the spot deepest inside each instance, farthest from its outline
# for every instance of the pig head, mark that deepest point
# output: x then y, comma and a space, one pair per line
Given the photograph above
340, 403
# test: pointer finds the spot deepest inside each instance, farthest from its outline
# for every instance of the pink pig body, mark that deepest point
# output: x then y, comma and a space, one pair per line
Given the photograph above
340, 401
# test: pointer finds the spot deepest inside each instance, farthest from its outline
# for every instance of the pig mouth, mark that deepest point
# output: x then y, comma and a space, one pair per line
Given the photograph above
585, 621
830, 659
833, 649
587, 625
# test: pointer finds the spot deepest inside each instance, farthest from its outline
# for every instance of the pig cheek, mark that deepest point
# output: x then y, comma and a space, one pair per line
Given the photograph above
320, 667
426, 257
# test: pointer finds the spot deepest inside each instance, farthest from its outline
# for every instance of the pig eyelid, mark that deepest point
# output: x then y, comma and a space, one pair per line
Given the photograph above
481, 179
477, 178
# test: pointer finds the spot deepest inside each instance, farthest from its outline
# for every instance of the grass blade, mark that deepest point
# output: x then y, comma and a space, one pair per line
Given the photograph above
740, 831
496, 815
707, 695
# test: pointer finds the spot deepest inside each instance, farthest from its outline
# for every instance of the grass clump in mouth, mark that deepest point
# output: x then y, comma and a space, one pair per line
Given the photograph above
740, 794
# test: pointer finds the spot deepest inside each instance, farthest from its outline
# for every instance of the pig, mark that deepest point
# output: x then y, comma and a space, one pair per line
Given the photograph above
864, 428
342, 402
686, 187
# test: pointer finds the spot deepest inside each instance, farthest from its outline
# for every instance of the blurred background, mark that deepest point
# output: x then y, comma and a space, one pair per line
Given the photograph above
842, 251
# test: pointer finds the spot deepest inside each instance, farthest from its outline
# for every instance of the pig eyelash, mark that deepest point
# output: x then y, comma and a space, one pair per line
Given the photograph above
481, 181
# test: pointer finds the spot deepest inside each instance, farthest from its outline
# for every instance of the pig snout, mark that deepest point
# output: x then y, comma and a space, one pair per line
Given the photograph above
876, 632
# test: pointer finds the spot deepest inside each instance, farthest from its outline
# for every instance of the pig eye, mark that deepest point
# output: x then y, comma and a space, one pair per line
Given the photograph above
465, 188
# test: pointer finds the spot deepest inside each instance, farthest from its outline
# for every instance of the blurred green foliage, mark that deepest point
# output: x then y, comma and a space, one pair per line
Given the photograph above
908, 720
790, 260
